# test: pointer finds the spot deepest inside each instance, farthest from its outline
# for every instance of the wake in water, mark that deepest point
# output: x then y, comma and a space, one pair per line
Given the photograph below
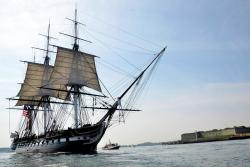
223, 154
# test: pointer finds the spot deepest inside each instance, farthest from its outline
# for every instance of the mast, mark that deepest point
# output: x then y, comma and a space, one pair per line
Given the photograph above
46, 61
76, 46
45, 98
76, 95
76, 103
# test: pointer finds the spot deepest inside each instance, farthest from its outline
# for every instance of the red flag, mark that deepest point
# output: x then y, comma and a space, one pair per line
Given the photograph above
26, 112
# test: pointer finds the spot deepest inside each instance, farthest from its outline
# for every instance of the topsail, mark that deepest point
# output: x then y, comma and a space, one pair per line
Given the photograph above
74, 68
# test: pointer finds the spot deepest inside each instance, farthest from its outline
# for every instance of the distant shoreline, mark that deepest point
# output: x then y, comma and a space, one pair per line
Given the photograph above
233, 133
177, 142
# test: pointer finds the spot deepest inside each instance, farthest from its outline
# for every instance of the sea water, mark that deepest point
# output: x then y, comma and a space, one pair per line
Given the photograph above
222, 154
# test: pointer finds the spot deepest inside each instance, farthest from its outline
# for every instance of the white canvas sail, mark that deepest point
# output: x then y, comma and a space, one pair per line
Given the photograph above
74, 68
37, 76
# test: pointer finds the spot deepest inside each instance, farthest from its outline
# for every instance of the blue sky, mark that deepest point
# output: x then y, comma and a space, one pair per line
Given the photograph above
201, 83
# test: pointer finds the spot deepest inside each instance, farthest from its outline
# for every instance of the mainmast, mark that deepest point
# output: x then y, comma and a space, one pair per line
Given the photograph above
31, 96
47, 115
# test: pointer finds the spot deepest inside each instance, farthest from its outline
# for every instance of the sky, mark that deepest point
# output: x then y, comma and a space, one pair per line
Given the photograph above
201, 83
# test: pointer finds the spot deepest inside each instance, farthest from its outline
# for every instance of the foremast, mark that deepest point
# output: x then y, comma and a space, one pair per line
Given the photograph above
76, 76
46, 98
76, 87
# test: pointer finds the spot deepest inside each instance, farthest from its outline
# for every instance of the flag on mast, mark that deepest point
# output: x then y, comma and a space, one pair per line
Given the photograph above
26, 112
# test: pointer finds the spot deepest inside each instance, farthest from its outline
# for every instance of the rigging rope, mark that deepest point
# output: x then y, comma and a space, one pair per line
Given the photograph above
115, 68
105, 45
138, 88
9, 117
122, 30
123, 41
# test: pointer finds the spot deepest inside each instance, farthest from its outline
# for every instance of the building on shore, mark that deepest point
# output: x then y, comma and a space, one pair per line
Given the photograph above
240, 132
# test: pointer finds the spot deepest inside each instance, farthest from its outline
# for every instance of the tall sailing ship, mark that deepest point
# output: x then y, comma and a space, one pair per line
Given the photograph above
50, 94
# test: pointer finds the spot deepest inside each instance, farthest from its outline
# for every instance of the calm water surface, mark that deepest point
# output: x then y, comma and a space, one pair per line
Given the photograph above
223, 154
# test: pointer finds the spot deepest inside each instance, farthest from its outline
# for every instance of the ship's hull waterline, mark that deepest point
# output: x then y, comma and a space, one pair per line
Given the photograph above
83, 143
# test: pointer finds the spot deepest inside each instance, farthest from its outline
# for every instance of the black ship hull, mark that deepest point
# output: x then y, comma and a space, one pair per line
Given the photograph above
83, 140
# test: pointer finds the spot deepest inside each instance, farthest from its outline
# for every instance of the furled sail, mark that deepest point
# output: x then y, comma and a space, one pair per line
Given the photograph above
37, 76
74, 68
